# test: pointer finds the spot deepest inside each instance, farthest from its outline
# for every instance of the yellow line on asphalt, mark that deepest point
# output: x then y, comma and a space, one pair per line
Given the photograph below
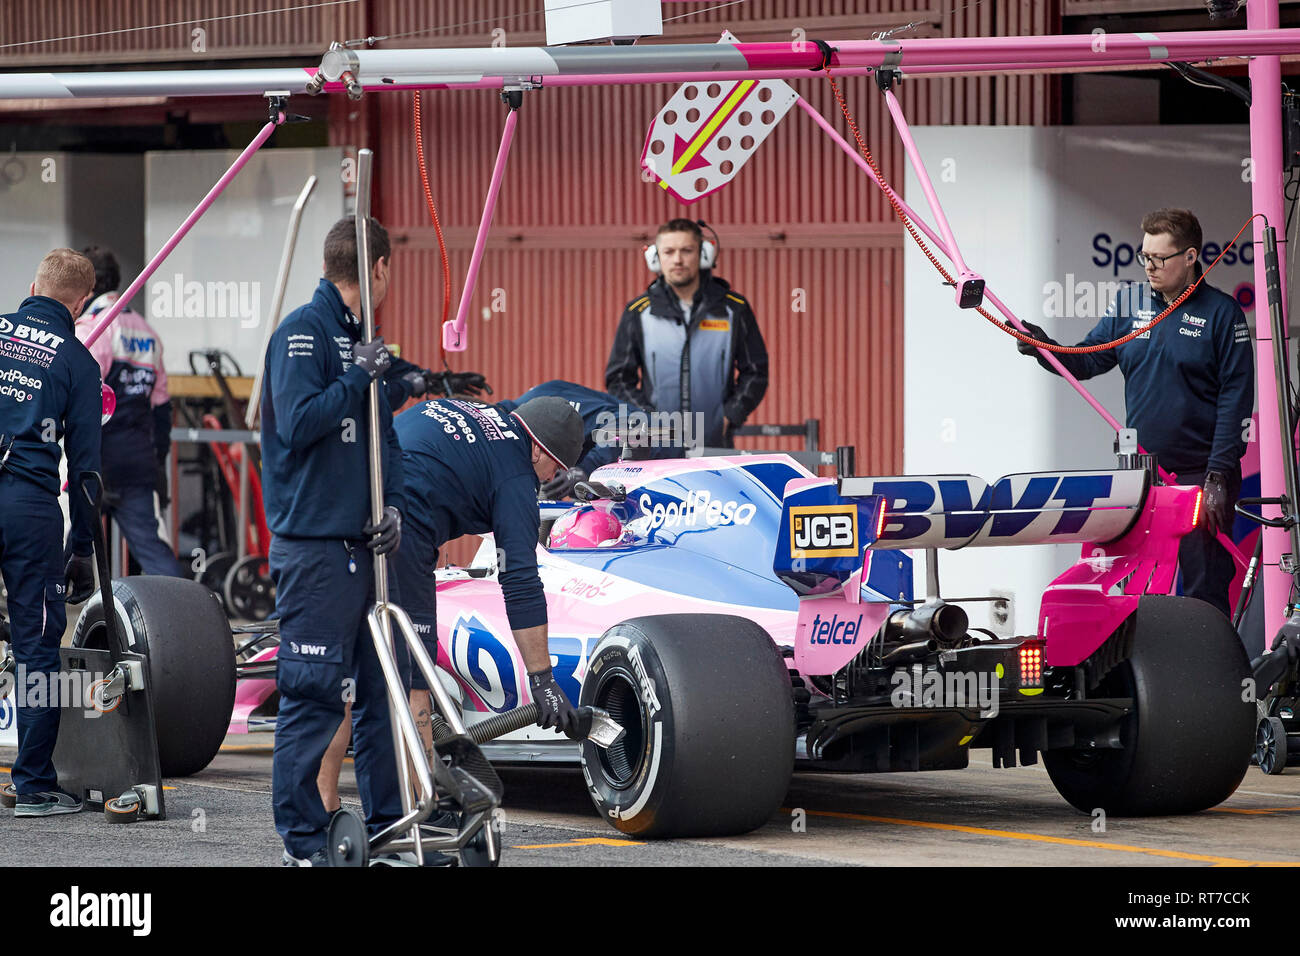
1040, 838
1255, 810
585, 841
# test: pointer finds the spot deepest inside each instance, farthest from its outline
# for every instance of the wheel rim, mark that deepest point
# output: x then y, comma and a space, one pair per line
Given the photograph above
1265, 746
618, 694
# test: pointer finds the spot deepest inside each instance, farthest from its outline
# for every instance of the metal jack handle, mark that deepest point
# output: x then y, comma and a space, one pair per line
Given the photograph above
92, 489
399, 709
1285, 416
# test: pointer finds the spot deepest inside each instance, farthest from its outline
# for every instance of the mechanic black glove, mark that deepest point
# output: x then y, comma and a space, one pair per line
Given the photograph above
561, 486
386, 535
461, 383
416, 383
79, 574
554, 709
1036, 331
160, 484
372, 357
1215, 503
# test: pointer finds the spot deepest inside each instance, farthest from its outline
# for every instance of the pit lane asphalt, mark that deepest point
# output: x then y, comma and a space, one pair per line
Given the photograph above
974, 817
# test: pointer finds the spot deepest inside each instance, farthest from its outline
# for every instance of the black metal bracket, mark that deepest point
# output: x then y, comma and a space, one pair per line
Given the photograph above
512, 98
886, 77
827, 51
277, 103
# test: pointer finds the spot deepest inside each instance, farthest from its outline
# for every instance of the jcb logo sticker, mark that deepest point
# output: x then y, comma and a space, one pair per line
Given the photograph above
823, 531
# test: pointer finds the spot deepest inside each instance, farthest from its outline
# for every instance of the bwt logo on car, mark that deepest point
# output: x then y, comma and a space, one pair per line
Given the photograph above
700, 507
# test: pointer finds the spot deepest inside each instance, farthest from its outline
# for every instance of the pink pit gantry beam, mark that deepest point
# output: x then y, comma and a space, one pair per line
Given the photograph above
161, 255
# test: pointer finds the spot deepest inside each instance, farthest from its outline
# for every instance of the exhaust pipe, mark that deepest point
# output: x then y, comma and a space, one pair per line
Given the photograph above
945, 623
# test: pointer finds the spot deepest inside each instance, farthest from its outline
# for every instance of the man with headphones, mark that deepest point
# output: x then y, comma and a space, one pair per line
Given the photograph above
1189, 385
689, 345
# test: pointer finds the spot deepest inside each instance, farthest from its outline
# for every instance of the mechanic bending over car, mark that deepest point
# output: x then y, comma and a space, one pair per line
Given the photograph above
315, 431
49, 390
598, 410
689, 345
471, 468
1189, 385
137, 438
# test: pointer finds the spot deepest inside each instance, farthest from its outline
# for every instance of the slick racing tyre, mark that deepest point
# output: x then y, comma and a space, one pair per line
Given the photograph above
1189, 740
706, 704
180, 626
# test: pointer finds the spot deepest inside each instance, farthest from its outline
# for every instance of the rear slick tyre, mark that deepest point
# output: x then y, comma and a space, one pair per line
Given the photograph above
706, 704
1189, 740
180, 627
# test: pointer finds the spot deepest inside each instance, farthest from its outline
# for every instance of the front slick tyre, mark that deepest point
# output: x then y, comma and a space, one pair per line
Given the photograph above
706, 704
1188, 743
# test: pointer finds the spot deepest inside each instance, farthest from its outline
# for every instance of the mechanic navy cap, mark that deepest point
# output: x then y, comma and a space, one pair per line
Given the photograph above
555, 425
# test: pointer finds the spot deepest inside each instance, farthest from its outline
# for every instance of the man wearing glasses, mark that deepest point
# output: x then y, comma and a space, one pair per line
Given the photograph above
1189, 385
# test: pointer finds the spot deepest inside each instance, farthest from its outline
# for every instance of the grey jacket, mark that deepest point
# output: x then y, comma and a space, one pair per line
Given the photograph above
716, 365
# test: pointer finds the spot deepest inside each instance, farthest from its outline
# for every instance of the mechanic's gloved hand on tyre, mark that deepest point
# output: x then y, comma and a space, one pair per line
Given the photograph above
561, 486
1036, 331
372, 357
1215, 503
386, 535
79, 574
554, 709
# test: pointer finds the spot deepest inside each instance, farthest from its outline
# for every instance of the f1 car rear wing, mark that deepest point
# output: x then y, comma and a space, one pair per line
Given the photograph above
959, 511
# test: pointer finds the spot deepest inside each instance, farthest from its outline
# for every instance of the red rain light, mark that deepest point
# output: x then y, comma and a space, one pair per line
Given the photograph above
1196, 512
880, 522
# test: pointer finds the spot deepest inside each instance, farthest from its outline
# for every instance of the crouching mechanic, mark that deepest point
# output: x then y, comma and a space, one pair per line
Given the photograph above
49, 390
315, 439
471, 468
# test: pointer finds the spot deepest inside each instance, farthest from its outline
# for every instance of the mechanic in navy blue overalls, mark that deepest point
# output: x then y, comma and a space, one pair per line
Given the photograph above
316, 487
470, 469
49, 391
600, 411
1189, 386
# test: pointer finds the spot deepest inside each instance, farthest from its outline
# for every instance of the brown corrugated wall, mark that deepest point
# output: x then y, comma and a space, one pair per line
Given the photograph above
799, 225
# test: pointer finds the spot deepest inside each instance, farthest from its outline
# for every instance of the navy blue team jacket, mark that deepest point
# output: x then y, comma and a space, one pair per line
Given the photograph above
49, 390
315, 429
1189, 383
469, 471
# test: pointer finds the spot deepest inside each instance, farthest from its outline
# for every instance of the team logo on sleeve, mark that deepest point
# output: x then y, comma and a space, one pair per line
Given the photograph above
824, 531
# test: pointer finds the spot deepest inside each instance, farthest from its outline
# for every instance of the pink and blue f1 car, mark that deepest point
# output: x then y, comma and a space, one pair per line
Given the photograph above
742, 618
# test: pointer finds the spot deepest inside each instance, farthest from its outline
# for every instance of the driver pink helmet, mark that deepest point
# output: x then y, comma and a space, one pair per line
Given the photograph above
585, 528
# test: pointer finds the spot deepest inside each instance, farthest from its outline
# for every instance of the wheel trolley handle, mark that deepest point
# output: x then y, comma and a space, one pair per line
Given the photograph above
399, 708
